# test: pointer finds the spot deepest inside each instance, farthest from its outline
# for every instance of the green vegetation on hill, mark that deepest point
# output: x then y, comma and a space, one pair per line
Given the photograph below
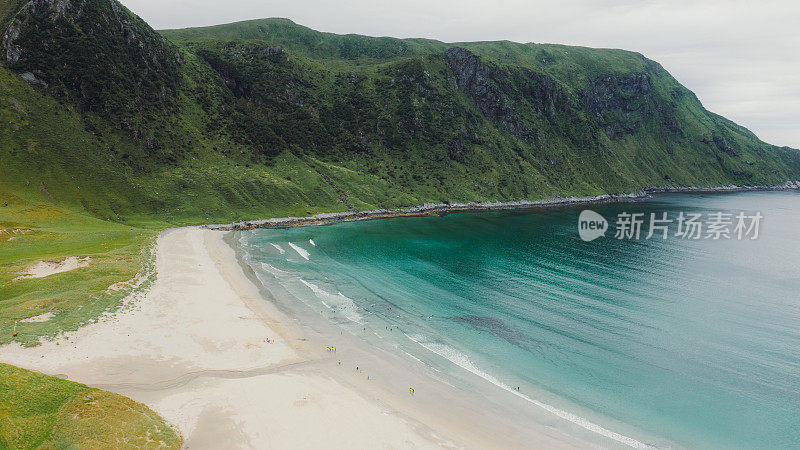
38, 411
266, 117
111, 131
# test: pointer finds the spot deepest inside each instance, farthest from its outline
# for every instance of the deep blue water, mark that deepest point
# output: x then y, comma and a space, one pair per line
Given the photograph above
693, 341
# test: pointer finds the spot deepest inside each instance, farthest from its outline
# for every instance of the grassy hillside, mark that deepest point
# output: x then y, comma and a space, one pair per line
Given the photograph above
481, 121
266, 117
111, 131
37, 411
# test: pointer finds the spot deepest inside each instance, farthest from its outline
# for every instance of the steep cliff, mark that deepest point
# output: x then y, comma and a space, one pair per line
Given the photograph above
264, 116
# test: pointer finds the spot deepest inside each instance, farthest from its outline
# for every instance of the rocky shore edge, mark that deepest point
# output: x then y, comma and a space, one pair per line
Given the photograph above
447, 208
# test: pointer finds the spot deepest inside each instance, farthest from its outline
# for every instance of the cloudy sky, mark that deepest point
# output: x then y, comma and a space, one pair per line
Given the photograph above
742, 58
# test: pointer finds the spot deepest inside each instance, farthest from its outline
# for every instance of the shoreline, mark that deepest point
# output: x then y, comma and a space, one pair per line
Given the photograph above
440, 409
502, 417
433, 209
203, 349
214, 355
192, 347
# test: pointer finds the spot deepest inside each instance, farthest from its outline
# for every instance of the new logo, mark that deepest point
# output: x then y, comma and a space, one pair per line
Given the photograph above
591, 225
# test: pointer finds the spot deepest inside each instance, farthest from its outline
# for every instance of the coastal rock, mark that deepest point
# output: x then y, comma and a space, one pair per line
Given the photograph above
547, 96
620, 104
498, 92
271, 50
723, 145
138, 68
477, 79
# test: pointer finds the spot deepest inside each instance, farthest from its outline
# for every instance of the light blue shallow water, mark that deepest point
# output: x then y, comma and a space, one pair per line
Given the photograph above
695, 342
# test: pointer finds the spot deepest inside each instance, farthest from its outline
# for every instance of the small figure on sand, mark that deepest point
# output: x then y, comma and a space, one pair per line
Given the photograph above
411, 390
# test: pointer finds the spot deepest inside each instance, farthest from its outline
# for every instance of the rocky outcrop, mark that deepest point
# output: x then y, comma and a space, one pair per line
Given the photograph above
478, 81
620, 104
31, 79
54, 10
723, 145
515, 97
95, 53
271, 50
546, 95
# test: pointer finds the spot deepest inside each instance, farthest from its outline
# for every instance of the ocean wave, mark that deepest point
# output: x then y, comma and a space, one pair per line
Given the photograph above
311, 241
336, 302
300, 251
272, 269
463, 361
278, 247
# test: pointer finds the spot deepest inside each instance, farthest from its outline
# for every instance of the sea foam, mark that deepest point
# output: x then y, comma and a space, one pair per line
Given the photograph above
336, 302
463, 361
300, 251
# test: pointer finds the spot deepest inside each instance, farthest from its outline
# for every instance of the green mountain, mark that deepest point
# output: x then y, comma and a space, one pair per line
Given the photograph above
266, 117
110, 131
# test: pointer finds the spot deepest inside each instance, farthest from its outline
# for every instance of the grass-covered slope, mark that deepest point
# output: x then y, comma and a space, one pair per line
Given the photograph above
267, 117
38, 411
481, 121
110, 131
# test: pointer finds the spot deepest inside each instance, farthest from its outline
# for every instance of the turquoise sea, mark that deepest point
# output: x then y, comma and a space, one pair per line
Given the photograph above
693, 342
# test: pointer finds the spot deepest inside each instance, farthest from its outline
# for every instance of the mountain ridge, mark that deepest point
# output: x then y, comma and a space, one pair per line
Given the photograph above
266, 117
111, 132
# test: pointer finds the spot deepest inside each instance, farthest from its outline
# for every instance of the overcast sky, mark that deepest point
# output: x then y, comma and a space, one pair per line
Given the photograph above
741, 58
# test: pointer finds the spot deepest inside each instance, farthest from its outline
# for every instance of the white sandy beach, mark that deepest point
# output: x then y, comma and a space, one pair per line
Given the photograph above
194, 348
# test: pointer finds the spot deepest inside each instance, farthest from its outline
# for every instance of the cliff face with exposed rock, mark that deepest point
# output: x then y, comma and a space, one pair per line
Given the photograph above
247, 116
96, 54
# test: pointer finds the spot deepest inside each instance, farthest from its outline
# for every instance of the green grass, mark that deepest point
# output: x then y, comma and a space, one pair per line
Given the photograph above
38, 232
213, 128
39, 411
376, 121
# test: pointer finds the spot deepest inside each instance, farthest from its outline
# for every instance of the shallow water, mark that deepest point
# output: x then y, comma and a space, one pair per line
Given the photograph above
695, 343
